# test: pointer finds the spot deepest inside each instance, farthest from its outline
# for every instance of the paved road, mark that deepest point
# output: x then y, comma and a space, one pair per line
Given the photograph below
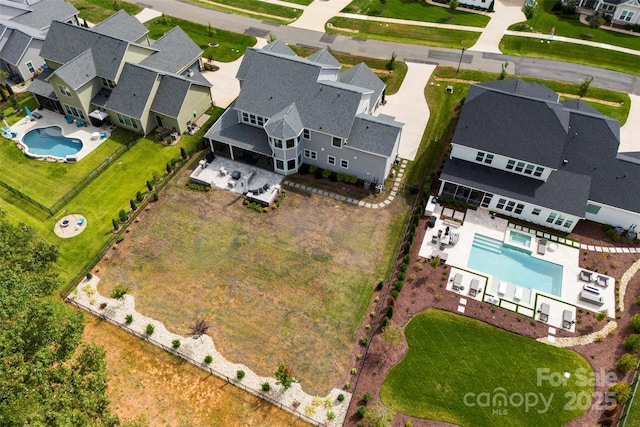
532, 67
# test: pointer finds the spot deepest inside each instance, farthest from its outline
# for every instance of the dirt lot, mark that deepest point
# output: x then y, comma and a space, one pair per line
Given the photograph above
426, 290
291, 285
151, 386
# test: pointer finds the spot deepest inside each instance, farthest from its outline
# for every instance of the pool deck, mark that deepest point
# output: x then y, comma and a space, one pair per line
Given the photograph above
481, 222
69, 130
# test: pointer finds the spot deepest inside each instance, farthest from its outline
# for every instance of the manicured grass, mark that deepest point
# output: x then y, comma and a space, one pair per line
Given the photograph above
561, 51
411, 34
253, 9
47, 182
300, 2
230, 47
98, 10
393, 79
571, 26
453, 359
416, 11
274, 286
633, 417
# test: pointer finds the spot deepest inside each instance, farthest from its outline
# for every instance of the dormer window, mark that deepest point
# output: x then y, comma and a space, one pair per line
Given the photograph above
484, 157
64, 90
306, 134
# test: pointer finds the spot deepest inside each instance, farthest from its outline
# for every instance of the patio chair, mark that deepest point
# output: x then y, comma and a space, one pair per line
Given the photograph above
542, 246
544, 312
434, 239
69, 119
567, 319
457, 282
502, 288
603, 281
586, 276
474, 288
517, 295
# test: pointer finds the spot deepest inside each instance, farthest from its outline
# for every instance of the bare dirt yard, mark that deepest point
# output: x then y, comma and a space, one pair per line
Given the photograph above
155, 388
291, 285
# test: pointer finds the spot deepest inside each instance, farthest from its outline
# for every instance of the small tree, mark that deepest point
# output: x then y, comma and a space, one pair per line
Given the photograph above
168, 168
503, 72
9, 89
115, 224
602, 315
123, 215
165, 19
139, 196
621, 392
3, 96
285, 376
379, 416
530, 9
149, 186
453, 5
119, 291
15, 103
183, 153
391, 63
133, 205
584, 86
596, 21
627, 362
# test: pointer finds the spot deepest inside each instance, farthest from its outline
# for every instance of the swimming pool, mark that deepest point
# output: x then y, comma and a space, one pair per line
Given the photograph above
515, 266
50, 142
520, 238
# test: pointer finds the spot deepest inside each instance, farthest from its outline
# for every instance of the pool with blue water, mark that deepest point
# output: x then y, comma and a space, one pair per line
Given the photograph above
49, 141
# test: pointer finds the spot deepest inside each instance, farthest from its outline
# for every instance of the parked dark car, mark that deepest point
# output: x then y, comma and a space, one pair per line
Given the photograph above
431, 222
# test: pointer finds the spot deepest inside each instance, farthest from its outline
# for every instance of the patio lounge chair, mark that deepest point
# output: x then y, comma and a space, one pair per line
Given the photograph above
474, 288
457, 282
567, 319
517, 295
586, 276
544, 312
542, 246
80, 221
36, 115
502, 288
603, 281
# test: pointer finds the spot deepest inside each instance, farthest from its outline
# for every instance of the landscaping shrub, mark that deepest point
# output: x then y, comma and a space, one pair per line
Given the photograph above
150, 329
330, 415
89, 276
635, 323
123, 215
114, 224
175, 344
390, 312
384, 322
139, 196
401, 275
128, 319
154, 197
183, 153
326, 173
601, 315
313, 169
621, 392
409, 423
366, 398
240, 374
340, 397
119, 291
395, 293
132, 204
265, 386
208, 359
362, 411
402, 267
149, 186
197, 187
380, 285
632, 343
406, 259
627, 362
364, 341
398, 285
120, 238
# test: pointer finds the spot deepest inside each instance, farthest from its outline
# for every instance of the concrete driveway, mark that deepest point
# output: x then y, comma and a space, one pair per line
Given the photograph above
318, 13
409, 106
629, 140
507, 12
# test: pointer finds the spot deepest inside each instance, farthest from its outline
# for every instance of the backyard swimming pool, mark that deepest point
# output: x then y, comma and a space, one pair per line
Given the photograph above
49, 141
515, 266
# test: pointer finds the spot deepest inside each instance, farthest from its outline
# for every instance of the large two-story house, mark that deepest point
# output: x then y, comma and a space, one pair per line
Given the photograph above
23, 29
294, 110
114, 72
622, 11
519, 151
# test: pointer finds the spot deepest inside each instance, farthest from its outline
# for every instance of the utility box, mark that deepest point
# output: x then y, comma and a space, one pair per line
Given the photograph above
431, 206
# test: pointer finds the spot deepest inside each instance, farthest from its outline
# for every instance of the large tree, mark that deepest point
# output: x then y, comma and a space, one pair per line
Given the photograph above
46, 379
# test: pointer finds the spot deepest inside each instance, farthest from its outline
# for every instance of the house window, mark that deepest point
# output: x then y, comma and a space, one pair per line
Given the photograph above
501, 203
593, 209
560, 220
344, 163
310, 154
30, 67
510, 206
252, 119
488, 159
519, 166
128, 121
280, 165
551, 217
277, 143
107, 83
486, 200
245, 117
538, 171
626, 15
529, 169
64, 90
480, 156
306, 134
260, 121
536, 211
291, 143
511, 164
336, 142
568, 223
519, 209
73, 111
331, 160
291, 164
484, 157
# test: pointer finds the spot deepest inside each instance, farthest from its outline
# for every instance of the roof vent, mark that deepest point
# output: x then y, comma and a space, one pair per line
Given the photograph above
191, 73
565, 161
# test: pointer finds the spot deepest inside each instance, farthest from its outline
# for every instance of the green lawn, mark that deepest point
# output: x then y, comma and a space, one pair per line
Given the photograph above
416, 11
452, 360
633, 416
561, 51
393, 80
98, 10
253, 9
231, 46
411, 34
544, 21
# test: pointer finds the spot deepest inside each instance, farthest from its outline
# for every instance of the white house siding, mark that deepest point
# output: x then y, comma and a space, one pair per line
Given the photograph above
498, 162
630, 6
614, 216
479, 3
328, 74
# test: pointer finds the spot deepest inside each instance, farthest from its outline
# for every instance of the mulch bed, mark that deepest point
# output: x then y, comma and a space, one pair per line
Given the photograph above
425, 288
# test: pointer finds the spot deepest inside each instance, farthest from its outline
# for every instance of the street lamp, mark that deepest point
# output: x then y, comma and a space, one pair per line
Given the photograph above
460, 62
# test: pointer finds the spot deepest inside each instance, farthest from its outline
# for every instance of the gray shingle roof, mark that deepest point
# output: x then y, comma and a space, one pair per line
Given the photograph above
131, 94
41, 86
227, 130
516, 87
374, 135
45, 11
122, 26
170, 96
65, 42
579, 105
285, 124
175, 52
328, 107
15, 47
79, 71
278, 46
324, 57
563, 191
362, 76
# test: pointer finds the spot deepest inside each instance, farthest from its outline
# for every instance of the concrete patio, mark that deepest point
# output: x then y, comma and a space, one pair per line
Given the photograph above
219, 173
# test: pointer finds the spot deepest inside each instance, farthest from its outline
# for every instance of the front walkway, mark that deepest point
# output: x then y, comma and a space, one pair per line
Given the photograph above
318, 13
507, 12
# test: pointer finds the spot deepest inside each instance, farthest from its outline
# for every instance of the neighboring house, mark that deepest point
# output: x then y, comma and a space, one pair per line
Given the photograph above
622, 12
113, 72
23, 28
518, 151
294, 110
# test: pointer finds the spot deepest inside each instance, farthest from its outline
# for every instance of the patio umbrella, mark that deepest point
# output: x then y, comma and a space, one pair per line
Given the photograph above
27, 111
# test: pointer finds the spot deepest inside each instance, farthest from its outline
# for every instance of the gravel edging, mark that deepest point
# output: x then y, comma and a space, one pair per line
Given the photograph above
624, 281
192, 349
584, 339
